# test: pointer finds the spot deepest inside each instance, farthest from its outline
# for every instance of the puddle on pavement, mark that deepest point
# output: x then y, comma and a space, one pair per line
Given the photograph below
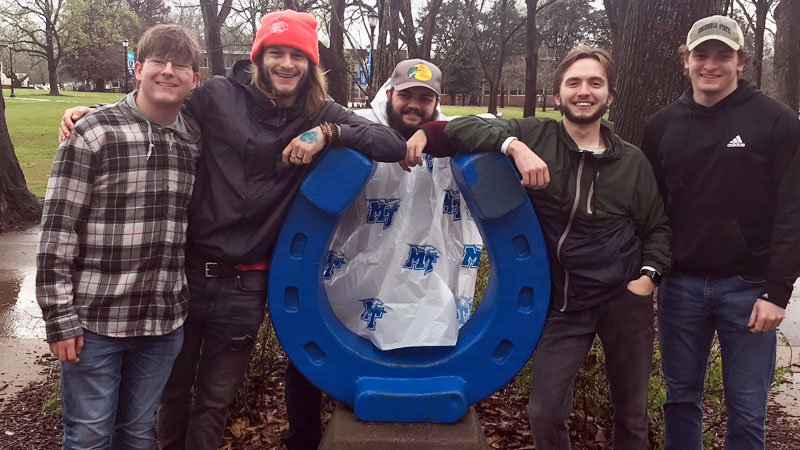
20, 315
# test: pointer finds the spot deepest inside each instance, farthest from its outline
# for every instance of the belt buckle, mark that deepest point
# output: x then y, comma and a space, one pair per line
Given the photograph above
209, 266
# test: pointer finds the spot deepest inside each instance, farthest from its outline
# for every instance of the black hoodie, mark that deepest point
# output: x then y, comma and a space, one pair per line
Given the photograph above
730, 178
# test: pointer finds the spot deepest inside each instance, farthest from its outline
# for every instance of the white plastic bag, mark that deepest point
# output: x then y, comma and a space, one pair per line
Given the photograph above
402, 266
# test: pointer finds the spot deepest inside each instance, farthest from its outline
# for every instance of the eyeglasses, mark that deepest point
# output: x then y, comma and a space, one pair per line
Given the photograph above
159, 63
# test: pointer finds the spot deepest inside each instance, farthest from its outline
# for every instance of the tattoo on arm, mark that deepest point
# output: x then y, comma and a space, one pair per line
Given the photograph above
310, 137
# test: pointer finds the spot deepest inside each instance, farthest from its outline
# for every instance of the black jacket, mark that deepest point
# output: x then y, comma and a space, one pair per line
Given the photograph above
730, 178
602, 217
242, 190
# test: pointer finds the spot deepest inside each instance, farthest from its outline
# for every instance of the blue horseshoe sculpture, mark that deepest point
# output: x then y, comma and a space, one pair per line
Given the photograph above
418, 384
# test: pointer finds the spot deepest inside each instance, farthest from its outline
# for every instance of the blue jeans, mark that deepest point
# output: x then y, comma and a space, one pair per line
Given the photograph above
109, 397
690, 309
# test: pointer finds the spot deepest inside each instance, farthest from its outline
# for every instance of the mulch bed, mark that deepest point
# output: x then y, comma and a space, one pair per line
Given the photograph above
258, 422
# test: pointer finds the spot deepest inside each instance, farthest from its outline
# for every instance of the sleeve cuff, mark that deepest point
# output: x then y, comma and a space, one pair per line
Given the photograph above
506, 143
778, 293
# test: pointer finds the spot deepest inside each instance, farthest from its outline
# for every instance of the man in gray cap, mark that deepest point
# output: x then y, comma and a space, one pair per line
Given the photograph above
726, 160
394, 211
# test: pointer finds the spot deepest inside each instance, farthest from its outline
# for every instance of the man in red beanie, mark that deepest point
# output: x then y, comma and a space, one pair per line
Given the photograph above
259, 136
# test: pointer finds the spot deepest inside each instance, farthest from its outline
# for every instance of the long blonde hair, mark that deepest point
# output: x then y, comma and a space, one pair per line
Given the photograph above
313, 89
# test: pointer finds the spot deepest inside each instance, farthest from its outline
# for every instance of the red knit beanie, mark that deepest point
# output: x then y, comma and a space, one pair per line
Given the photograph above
290, 28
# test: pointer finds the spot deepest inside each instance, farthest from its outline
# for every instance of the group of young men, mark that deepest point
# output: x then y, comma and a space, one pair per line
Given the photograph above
711, 205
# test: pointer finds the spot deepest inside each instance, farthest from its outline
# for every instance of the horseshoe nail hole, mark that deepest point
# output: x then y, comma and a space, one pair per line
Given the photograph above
298, 246
291, 298
315, 354
525, 303
521, 246
502, 351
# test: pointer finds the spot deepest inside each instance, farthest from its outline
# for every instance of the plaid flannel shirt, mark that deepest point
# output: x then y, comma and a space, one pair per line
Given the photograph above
111, 254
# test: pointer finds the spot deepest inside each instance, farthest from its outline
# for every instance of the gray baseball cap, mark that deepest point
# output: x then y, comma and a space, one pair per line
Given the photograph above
417, 72
721, 28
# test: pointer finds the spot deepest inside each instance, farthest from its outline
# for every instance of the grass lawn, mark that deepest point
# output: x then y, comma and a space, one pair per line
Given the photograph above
506, 112
33, 118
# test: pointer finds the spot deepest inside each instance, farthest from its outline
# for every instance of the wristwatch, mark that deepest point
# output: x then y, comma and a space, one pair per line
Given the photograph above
652, 273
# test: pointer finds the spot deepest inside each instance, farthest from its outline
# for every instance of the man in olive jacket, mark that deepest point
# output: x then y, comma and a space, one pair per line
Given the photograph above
606, 235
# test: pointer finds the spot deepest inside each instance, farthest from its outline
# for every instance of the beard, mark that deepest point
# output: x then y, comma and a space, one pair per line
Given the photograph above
396, 120
583, 120
300, 85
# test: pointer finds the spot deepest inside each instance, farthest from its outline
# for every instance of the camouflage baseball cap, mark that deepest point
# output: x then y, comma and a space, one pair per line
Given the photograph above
417, 72
720, 28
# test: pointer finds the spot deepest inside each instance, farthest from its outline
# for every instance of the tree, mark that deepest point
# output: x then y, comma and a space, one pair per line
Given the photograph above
758, 24
39, 21
495, 31
463, 77
787, 53
531, 59
650, 73
98, 27
17, 203
213, 18
149, 13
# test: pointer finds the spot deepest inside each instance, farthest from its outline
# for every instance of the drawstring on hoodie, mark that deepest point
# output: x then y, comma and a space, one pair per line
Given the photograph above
150, 138
152, 146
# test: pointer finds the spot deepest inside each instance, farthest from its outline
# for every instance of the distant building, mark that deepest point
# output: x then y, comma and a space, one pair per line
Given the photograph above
231, 56
22, 78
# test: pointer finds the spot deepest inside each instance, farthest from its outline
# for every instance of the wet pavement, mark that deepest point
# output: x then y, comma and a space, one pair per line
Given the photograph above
22, 333
20, 315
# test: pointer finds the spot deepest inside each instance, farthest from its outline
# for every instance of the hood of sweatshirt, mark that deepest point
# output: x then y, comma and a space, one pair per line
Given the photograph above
744, 91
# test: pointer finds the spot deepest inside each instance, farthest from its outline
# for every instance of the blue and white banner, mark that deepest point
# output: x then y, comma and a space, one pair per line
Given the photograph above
130, 61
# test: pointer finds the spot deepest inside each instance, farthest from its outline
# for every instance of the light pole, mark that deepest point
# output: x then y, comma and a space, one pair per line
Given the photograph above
372, 20
124, 85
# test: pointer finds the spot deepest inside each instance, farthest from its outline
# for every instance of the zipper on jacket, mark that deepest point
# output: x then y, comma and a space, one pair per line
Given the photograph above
569, 225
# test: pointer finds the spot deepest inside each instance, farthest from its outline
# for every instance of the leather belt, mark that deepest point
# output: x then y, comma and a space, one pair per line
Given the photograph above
220, 269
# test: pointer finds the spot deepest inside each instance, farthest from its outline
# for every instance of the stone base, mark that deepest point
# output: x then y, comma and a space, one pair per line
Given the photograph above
345, 432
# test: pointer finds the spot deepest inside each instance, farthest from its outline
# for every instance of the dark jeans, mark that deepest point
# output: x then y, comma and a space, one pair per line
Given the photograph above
224, 317
303, 410
690, 309
625, 328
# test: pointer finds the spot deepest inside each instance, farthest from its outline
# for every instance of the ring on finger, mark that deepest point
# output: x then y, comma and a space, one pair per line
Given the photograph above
296, 157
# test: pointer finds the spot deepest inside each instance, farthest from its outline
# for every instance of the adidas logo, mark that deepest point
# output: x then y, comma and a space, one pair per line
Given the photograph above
736, 142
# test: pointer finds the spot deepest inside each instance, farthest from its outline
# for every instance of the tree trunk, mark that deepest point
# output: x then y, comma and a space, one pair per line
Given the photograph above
762, 8
787, 53
99, 85
615, 11
492, 98
650, 75
213, 18
50, 52
338, 83
17, 204
428, 28
531, 60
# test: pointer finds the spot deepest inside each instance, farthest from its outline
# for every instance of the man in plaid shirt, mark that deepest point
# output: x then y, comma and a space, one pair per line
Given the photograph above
110, 277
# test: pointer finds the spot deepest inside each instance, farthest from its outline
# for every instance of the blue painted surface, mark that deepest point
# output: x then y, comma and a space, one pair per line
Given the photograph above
421, 384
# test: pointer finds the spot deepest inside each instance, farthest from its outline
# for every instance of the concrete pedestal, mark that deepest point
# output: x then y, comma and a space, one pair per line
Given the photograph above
345, 432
